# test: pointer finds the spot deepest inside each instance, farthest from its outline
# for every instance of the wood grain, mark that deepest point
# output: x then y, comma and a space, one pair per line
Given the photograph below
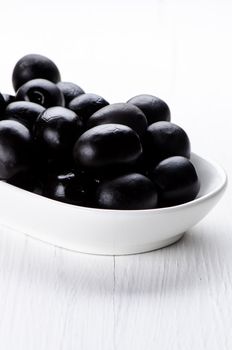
178, 297
52, 298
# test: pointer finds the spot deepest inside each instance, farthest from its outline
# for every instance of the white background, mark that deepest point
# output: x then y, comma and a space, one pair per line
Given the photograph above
176, 298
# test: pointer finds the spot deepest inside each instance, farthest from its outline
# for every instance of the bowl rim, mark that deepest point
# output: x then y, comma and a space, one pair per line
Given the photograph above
221, 187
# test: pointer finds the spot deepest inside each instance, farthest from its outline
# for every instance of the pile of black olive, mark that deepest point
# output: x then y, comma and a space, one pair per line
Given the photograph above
75, 147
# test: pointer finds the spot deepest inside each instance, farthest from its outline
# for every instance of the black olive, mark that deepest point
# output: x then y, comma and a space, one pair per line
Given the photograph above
41, 91
131, 191
120, 113
153, 107
164, 140
24, 112
8, 98
70, 91
177, 181
15, 148
66, 188
87, 104
34, 66
107, 147
27, 181
56, 130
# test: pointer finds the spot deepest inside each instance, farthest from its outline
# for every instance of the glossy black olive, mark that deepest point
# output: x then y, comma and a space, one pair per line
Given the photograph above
15, 148
120, 113
27, 181
70, 91
56, 130
67, 188
87, 104
164, 140
106, 147
131, 191
41, 91
34, 66
8, 98
153, 107
24, 112
177, 181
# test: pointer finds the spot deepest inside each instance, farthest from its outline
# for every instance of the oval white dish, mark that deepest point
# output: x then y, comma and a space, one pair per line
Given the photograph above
109, 232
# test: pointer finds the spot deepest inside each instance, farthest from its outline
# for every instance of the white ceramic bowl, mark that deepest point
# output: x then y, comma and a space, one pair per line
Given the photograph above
110, 232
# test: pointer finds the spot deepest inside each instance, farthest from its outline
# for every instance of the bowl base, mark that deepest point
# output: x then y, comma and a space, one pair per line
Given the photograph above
148, 248
116, 251
169, 241
127, 250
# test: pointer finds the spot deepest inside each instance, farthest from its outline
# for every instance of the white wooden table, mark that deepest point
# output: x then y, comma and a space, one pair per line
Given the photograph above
177, 298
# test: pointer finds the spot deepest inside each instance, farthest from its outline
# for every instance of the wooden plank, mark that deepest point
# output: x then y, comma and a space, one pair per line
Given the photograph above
178, 297
53, 299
